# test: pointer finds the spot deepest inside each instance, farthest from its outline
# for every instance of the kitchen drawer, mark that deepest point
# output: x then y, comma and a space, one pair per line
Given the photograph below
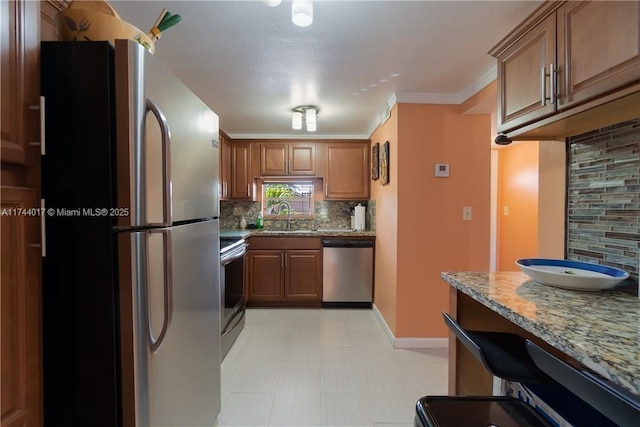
277, 242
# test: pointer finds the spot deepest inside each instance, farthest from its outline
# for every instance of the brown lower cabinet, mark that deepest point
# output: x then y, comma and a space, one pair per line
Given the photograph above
284, 272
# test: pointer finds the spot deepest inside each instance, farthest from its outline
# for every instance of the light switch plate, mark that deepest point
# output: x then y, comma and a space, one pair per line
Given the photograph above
467, 213
441, 170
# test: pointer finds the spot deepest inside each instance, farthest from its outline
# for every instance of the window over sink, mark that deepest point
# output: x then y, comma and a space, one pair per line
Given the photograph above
284, 199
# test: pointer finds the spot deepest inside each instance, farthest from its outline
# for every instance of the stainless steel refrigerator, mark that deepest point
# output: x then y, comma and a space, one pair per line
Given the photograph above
131, 267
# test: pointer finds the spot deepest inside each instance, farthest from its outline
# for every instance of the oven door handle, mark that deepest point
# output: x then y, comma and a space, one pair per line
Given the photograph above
234, 255
230, 328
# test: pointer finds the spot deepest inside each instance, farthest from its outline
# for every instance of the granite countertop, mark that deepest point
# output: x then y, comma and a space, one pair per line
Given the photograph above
599, 329
328, 232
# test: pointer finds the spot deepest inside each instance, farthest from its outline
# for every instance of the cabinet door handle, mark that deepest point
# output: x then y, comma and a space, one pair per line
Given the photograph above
249, 190
326, 190
282, 261
543, 91
553, 77
553, 73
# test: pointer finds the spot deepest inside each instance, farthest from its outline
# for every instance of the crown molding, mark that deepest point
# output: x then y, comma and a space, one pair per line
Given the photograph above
479, 84
378, 119
448, 98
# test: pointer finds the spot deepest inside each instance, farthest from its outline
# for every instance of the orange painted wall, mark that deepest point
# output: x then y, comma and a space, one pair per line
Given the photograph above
386, 198
518, 178
432, 237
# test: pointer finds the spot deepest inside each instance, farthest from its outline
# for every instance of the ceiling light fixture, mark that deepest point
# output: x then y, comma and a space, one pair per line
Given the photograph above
296, 120
307, 114
302, 12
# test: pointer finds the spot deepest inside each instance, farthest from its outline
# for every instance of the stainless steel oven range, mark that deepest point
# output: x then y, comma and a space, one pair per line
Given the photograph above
232, 298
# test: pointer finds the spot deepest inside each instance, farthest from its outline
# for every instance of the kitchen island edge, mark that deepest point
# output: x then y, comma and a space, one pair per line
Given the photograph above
599, 330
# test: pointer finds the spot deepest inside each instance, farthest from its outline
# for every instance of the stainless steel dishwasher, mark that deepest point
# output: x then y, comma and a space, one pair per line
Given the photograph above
347, 272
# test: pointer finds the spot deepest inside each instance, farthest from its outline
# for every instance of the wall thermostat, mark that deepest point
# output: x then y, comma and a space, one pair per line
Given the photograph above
442, 170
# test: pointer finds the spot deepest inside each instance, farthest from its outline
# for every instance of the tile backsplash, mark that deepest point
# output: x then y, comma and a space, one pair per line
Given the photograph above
603, 196
328, 214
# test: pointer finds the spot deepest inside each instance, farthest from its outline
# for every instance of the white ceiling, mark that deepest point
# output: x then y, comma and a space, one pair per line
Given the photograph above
252, 65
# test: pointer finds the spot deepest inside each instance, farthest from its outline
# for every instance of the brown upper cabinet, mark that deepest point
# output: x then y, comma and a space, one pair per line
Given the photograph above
288, 159
20, 109
241, 179
522, 81
564, 55
346, 175
236, 177
225, 167
342, 164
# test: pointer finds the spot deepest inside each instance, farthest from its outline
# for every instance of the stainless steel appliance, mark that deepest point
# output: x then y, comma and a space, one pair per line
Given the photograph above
347, 272
131, 271
232, 255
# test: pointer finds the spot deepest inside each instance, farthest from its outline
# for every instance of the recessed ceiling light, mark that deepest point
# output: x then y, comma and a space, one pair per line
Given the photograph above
395, 74
355, 93
364, 90
373, 85
383, 80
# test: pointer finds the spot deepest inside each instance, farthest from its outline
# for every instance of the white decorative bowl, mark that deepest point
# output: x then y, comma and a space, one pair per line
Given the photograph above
574, 275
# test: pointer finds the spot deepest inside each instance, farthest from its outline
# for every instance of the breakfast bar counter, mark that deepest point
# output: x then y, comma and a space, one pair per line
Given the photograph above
600, 330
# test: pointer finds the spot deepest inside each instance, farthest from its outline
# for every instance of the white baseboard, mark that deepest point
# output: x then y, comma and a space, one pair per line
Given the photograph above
385, 327
409, 342
421, 343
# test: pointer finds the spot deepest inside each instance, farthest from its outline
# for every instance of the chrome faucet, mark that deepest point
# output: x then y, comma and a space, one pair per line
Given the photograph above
288, 212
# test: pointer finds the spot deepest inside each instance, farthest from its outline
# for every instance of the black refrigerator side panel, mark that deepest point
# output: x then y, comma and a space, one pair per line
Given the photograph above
80, 330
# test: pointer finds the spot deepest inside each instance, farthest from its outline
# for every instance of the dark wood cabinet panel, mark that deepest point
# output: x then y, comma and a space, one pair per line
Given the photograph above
225, 168
568, 65
347, 171
266, 275
523, 77
284, 271
598, 48
273, 159
21, 319
20, 100
20, 345
302, 159
303, 275
241, 180
236, 174
288, 159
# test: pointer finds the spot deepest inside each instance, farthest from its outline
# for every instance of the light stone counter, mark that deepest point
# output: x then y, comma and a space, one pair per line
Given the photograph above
296, 233
600, 329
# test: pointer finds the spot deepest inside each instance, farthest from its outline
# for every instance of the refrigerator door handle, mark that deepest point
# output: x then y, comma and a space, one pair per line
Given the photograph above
155, 343
166, 161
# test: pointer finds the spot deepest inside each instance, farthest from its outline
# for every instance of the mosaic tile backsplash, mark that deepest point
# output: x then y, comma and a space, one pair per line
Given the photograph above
328, 214
603, 196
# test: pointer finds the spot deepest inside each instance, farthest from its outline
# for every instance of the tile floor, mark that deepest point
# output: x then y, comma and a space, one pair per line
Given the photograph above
311, 367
